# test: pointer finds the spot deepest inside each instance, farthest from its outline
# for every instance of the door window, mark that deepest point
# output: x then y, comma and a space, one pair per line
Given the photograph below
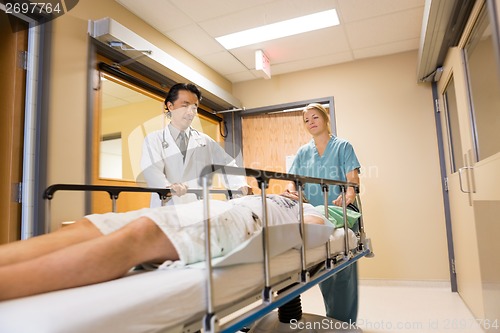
453, 129
485, 88
126, 113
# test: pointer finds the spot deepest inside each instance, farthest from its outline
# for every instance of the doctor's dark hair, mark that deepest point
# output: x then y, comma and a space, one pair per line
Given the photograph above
173, 93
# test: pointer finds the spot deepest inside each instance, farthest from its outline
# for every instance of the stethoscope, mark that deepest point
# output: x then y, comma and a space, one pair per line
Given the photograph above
200, 141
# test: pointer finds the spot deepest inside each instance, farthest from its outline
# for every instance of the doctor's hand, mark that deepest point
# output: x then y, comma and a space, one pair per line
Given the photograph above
178, 189
246, 190
242, 191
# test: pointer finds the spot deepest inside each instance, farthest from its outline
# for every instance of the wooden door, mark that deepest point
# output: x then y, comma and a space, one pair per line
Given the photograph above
13, 43
271, 140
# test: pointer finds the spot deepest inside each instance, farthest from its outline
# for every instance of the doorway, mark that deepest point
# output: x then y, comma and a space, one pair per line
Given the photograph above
469, 91
268, 149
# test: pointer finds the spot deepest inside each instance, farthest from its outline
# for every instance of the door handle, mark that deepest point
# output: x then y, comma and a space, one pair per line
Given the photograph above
460, 179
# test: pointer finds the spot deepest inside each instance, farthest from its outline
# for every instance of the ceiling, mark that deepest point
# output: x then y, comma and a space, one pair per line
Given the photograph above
368, 28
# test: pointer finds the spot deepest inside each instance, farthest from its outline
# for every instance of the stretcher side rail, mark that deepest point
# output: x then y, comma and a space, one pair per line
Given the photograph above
269, 300
114, 192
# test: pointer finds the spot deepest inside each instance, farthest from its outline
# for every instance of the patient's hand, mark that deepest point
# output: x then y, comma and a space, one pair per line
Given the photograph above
294, 195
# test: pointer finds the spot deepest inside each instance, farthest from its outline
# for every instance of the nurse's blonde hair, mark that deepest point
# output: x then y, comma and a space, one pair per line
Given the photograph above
323, 112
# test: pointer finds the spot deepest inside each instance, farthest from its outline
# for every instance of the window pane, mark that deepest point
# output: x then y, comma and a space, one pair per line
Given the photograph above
485, 88
110, 163
453, 129
132, 114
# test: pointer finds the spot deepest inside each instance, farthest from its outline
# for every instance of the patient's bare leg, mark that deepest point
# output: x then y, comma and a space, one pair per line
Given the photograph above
100, 259
77, 232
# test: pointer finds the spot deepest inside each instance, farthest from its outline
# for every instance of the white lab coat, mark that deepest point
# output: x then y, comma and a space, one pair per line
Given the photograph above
162, 162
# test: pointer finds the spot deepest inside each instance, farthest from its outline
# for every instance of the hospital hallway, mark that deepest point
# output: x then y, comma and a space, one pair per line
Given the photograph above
404, 306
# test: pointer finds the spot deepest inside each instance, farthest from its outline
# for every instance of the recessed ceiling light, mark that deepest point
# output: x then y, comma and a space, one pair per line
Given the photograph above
277, 30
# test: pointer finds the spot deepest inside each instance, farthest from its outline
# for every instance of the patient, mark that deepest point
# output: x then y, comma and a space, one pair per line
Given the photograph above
103, 247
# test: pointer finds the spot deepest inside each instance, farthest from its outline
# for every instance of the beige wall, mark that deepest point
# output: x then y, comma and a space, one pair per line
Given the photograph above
389, 120
379, 107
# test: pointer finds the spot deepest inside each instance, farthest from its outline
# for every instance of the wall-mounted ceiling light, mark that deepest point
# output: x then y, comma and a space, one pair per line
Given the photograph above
277, 30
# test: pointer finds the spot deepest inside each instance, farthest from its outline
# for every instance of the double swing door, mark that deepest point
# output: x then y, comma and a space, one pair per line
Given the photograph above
469, 96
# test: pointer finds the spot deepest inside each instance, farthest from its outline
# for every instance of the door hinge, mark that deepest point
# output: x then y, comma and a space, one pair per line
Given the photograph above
436, 105
22, 60
445, 183
453, 269
17, 193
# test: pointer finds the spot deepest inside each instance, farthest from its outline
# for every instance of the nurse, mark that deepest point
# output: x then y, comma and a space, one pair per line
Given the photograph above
174, 156
327, 156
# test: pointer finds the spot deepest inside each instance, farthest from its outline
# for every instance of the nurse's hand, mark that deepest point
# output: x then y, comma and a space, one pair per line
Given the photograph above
178, 189
349, 198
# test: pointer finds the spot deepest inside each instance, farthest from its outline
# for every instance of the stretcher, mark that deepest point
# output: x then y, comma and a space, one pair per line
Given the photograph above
214, 296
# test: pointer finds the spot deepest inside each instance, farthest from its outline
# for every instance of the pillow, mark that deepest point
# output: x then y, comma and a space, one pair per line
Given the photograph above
336, 215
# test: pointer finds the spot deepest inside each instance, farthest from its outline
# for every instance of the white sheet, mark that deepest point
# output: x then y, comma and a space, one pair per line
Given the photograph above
145, 302
283, 237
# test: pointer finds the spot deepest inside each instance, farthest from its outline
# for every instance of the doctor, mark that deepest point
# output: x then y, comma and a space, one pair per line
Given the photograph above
174, 156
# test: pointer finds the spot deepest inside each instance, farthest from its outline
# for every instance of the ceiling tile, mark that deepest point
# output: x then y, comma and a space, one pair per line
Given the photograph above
389, 48
202, 10
313, 62
223, 63
241, 76
357, 10
267, 13
332, 40
195, 40
385, 29
160, 14
368, 28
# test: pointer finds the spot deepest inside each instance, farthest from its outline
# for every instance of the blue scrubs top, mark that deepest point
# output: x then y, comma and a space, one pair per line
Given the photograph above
337, 160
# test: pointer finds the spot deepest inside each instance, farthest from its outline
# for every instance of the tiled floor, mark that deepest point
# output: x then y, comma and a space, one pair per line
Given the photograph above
392, 306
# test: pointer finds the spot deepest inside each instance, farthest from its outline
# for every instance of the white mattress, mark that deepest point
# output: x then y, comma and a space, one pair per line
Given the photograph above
153, 301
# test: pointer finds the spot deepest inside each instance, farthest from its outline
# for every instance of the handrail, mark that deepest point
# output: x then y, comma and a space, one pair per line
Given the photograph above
113, 190
266, 176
